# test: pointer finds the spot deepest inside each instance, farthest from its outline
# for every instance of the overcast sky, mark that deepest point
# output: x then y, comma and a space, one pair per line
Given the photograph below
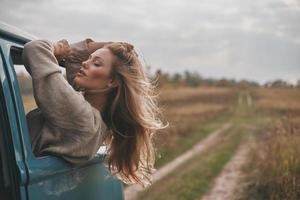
252, 39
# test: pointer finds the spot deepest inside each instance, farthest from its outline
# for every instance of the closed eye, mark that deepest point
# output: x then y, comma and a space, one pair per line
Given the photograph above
98, 64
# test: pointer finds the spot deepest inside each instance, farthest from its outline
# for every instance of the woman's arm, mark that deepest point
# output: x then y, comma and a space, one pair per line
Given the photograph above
93, 46
60, 104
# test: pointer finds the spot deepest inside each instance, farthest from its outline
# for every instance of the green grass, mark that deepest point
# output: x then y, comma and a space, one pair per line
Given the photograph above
166, 154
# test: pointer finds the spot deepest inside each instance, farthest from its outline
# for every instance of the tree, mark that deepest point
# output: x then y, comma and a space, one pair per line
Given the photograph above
192, 79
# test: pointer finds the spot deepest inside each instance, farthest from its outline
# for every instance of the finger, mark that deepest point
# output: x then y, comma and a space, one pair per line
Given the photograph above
60, 45
68, 48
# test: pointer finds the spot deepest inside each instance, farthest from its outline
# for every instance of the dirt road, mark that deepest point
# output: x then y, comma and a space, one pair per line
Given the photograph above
225, 184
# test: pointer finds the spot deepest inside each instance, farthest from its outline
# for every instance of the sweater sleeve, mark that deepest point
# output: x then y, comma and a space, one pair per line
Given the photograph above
60, 104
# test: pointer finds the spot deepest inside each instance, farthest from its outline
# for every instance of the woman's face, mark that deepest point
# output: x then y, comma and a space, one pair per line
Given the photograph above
95, 71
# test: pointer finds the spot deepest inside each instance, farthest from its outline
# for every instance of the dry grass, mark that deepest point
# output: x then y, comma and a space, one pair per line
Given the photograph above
184, 95
274, 165
188, 110
278, 100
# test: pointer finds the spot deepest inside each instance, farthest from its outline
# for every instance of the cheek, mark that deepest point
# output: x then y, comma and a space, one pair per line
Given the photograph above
99, 73
99, 76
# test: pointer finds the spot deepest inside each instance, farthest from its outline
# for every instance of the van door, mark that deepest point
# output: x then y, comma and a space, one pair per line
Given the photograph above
13, 172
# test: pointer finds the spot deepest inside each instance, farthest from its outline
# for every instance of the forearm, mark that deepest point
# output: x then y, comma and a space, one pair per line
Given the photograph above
93, 46
37, 56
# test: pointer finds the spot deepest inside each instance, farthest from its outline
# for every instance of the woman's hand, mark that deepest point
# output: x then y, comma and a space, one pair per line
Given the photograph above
61, 50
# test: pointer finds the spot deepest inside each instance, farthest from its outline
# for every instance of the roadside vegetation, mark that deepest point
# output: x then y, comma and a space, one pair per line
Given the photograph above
274, 164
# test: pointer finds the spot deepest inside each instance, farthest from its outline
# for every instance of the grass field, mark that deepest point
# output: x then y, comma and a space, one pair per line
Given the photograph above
269, 120
192, 114
193, 179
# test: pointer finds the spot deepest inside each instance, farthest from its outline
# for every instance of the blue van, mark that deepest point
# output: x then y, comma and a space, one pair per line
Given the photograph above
23, 176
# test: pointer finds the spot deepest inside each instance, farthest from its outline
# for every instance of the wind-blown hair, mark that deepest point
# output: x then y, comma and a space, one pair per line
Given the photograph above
132, 116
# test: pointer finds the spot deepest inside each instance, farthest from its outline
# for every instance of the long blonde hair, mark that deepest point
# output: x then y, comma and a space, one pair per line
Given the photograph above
132, 116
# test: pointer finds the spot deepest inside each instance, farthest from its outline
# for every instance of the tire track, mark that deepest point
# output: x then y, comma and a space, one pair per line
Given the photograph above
225, 184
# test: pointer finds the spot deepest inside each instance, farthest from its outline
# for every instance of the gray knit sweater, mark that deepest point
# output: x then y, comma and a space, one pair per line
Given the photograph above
64, 124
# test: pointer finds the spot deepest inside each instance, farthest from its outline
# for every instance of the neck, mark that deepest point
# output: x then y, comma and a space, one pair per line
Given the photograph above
97, 100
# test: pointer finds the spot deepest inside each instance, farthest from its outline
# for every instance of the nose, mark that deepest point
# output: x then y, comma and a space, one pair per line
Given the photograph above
84, 64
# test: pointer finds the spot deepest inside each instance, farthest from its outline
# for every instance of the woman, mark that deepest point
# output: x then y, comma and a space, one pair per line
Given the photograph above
111, 102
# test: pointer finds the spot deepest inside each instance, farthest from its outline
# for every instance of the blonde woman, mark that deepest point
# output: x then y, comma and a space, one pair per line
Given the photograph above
106, 99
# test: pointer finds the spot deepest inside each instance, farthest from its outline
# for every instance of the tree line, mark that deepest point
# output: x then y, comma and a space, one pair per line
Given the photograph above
194, 79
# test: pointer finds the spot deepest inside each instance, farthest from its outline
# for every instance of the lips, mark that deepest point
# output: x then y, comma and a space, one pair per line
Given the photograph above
82, 72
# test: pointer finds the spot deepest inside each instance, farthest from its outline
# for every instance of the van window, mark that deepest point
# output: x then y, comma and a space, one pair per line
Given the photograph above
24, 79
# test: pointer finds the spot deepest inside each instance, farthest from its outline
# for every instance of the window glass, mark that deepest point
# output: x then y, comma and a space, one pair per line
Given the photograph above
25, 84
24, 79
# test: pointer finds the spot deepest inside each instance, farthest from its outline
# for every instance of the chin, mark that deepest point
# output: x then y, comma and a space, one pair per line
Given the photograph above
77, 82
